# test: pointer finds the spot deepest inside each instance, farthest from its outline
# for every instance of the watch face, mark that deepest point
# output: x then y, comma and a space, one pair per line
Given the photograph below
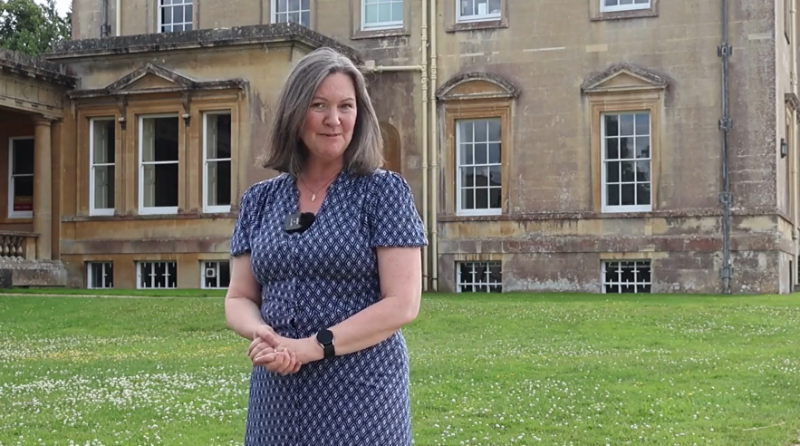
325, 337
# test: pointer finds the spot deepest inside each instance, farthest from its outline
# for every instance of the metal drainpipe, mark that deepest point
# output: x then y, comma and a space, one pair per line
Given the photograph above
725, 50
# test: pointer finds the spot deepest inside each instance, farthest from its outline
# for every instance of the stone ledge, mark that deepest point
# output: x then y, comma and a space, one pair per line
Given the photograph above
36, 273
35, 67
202, 38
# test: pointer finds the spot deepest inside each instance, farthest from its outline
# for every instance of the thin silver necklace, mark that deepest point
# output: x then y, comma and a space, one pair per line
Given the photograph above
314, 193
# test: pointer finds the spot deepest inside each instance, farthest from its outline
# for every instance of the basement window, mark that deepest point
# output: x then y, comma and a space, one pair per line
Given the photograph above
215, 274
151, 275
158, 164
479, 277
99, 275
626, 277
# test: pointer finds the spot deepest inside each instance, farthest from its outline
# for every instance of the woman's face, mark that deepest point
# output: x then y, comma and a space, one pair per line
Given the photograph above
329, 122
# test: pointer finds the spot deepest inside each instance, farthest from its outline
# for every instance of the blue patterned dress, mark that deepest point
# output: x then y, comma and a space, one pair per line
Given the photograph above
314, 280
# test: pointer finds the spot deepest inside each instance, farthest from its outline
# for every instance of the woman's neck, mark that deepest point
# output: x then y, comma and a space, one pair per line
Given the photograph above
317, 172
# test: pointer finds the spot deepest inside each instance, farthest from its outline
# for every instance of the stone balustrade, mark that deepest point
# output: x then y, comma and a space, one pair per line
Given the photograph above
17, 245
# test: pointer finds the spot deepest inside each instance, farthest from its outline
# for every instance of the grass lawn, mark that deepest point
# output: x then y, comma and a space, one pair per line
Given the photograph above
509, 369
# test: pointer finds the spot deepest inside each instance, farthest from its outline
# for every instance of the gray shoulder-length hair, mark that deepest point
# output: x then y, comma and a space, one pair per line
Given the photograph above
285, 151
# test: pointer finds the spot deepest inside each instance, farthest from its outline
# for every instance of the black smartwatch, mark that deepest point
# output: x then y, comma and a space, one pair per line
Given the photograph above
325, 339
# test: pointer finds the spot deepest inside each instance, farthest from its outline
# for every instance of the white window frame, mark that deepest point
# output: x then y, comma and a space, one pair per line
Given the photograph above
377, 26
604, 172
273, 12
216, 268
92, 209
206, 207
11, 148
477, 17
105, 279
459, 208
618, 7
154, 210
160, 15
474, 264
140, 265
619, 283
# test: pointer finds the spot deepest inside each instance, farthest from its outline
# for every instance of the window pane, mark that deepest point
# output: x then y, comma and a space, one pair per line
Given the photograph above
161, 185
628, 195
494, 153
466, 131
219, 136
612, 128
628, 171
495, 197
103, 187
481, 153
494, 130
397, 11
371, 14
481, 176
23, 193
612, 173
626, 125
482, 198
468, 198
612, 148
643, 193
384, 13
23, 156
467, 177
224, 274
612, 194
643, 147
643, 171
626, 148
642, 124
219, 177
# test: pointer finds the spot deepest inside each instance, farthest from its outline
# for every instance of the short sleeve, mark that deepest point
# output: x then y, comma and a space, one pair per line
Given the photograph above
393, 217
240, 240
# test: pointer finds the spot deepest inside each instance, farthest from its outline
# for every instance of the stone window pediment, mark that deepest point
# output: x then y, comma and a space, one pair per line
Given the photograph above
477, 86
153, 78
624, 78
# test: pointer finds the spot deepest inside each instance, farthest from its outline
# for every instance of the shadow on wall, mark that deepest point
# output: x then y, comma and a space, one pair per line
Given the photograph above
391, 148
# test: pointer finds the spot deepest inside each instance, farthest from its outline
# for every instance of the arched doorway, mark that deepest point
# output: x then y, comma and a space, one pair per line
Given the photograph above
391, 148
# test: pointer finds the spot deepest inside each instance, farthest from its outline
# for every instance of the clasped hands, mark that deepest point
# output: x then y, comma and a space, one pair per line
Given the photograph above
280, 354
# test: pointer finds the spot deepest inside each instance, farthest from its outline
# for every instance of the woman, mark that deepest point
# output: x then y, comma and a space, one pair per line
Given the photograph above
323, 304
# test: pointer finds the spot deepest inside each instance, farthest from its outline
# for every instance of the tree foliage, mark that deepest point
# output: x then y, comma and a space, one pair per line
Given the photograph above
32, 28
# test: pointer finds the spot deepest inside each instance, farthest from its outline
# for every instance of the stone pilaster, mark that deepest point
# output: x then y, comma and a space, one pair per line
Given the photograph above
42, 188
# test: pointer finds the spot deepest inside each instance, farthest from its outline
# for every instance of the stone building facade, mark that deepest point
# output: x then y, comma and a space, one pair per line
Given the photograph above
579, 145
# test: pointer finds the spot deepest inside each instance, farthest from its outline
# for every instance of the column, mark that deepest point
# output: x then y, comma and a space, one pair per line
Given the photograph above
42, 188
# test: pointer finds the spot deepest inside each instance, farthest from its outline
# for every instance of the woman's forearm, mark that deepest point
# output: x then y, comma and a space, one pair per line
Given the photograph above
370, 326
243, 316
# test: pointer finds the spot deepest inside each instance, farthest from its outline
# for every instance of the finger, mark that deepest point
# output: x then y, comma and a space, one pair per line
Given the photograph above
261, 349
264, 359
256, 341
277, 364
289, 364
